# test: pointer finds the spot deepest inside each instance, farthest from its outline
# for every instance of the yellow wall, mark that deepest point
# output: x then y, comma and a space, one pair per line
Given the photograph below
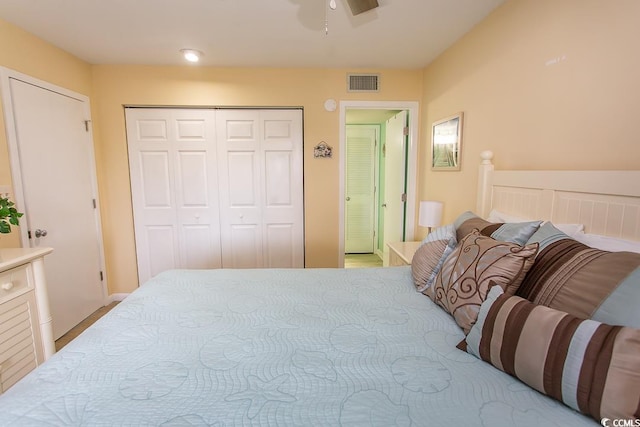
115, 86
24, 52
111, 87
580, 112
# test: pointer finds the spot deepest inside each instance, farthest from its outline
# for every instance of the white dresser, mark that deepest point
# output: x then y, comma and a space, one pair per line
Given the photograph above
26, 336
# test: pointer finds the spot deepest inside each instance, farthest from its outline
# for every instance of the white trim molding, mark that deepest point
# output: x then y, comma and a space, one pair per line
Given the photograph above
412, 109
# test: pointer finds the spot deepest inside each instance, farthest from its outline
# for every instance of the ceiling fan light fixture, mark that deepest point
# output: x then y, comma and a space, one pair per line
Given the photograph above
191, 55
360, 6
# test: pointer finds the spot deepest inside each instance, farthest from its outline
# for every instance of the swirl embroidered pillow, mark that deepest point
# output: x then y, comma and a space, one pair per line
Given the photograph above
476, 264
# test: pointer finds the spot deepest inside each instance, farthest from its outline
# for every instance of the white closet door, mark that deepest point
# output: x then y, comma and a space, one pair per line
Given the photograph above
261, 188
172, 160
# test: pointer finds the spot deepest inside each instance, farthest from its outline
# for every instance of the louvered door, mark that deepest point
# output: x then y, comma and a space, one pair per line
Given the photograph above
360, 189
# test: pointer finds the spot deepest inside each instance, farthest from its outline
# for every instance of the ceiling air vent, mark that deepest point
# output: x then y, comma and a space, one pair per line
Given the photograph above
363, 82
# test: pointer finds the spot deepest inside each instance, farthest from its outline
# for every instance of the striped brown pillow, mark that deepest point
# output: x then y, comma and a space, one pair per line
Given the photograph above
590, 366
583, 281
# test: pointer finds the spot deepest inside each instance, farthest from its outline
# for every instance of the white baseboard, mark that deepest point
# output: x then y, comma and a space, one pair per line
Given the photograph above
117, 297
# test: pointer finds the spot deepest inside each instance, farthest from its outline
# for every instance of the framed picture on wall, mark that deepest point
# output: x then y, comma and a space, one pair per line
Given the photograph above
446, 143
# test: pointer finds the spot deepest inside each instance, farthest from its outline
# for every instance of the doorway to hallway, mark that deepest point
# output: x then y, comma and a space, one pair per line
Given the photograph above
391, 216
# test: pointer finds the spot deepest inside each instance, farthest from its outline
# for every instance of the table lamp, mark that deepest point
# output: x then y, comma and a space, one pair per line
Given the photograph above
430, 214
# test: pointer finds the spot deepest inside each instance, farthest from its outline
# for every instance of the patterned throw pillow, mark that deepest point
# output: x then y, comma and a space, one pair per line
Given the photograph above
428, 259
477, 263
514, 232
583, 281
590, 366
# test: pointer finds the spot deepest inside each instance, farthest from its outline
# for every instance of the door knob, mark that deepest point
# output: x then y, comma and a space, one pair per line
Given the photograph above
40, 233
348, 198
384, 205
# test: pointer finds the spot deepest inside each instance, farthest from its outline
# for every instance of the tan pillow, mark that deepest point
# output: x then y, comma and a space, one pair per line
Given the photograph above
425, 261
476, 264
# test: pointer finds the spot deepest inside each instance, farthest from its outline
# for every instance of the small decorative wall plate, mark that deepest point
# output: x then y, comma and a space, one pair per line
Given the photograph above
322, 150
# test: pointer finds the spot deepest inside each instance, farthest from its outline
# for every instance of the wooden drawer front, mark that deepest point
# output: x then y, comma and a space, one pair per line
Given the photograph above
14, 282
19, 340
395, 260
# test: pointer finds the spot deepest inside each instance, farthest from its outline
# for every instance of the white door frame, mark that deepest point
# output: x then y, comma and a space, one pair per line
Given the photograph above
412, 110
6, 75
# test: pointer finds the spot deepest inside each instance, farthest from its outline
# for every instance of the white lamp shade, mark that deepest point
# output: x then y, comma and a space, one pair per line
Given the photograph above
430, 213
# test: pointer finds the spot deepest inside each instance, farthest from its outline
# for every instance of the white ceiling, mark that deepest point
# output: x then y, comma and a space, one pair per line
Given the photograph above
250, 33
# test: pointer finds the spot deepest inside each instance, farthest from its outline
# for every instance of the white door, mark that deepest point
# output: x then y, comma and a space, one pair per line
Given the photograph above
174, 187
360, 188
260, 158
58, 185
394, 181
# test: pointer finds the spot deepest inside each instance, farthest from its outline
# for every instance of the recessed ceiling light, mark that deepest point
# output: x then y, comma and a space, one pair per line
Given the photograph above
191, 55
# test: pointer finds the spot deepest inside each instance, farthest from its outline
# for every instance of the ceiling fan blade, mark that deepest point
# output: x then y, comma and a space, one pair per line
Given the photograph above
359, 6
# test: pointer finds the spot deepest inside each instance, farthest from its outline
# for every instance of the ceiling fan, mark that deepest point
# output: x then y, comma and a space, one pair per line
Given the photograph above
360, 6
357, 7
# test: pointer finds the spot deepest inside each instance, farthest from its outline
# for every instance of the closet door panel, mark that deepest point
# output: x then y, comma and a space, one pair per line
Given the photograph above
198, 244
241, 180
174, 188
283, 212
238, 140
216, 188
278, 179
154, 167
280, 245
160, 248
193, 176
243, 248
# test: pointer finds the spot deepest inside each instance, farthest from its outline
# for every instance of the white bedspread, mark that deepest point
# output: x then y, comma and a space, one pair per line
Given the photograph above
316, 347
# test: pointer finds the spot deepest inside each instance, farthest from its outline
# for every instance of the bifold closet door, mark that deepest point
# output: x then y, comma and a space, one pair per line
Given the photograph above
260, 168
216, 188
174, 186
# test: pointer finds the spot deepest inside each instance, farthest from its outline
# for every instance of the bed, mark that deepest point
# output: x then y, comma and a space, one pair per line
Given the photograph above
291, 347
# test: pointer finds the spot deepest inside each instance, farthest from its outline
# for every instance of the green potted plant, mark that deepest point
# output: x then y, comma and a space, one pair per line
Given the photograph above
8, 215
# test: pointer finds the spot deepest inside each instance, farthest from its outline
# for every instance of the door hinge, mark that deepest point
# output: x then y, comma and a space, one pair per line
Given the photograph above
86, 125
405, 131
101, 276
94, 203
403, 198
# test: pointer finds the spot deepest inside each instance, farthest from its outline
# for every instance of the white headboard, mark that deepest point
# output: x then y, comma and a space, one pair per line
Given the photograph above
605, 202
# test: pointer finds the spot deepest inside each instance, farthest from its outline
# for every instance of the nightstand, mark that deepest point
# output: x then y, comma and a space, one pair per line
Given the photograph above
401, 253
